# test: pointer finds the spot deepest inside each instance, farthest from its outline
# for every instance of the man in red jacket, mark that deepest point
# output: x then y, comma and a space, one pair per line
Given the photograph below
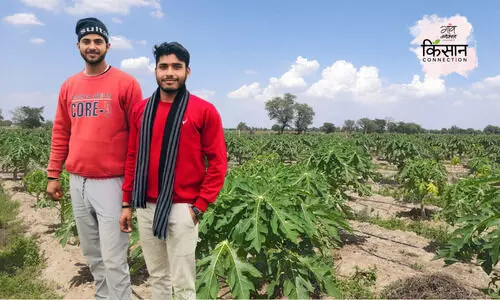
166, 177
90, 138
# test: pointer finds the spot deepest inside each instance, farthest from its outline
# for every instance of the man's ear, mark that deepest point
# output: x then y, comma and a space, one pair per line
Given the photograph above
108, 45
78, 45
188, 71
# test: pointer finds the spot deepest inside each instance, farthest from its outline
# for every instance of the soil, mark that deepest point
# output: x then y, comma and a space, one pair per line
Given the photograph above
385, 207
397, 255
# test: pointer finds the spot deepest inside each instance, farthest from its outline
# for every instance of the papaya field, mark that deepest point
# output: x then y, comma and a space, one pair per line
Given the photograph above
291, 204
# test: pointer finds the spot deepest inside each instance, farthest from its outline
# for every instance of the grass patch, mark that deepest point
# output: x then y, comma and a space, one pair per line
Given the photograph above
9, 226
417, 266
24, 285
388, 192
439, 235
358, 285
20, 259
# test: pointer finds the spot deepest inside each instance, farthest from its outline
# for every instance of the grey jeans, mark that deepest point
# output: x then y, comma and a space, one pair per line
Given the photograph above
97, 209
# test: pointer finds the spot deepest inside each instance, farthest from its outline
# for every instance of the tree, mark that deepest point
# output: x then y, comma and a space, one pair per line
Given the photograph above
281, 110
388, 122
276, 127
491, 129
349, 125
455, 129
393, 127
2, 121
380, 125
328, 127
6, 123
367, 125
242, 126
28, 117
409, 128
304, 117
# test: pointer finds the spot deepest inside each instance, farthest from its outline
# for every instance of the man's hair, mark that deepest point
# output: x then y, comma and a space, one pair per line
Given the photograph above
171, 48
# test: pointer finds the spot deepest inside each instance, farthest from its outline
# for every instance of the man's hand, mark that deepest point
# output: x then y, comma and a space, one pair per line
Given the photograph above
54, 189
193, 216
126, 220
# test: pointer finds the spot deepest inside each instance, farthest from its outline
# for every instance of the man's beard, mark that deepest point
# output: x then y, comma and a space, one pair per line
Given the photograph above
94, 62
171, 90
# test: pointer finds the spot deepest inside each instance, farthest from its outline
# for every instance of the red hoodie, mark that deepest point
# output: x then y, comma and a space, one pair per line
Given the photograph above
201, 135
90, 132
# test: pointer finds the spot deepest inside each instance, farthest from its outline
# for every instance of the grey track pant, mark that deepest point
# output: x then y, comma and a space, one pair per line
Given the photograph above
97, 209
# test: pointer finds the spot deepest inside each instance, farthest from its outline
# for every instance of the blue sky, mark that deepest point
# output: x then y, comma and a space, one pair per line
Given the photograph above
237, 47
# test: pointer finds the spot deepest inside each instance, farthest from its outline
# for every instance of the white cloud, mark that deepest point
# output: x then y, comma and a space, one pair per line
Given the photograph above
250, 72
204, 94
293, 79
157, 13
117, 20
138, 66
344, 82
51, 5
120, 42
342, 78
295, 76
430, 86
489, 83
246, 91
37, 41
429, 27
142, 42
423, 100
337, 78
492, 82
23, 19
470, 95
83, 7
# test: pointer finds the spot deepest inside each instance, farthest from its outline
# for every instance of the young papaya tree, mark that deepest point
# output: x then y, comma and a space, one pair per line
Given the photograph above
422, 179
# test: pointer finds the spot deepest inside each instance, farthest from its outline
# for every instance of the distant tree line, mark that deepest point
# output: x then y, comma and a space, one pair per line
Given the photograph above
291, 115
288, 114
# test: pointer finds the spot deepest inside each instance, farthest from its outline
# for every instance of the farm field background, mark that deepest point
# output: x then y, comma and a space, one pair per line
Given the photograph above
307, 216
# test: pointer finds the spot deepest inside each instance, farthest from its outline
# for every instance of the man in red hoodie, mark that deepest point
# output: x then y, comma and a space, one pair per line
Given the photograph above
89, 137
173, 136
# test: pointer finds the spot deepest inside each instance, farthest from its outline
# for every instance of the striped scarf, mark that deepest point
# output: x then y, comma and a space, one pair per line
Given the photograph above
167, 158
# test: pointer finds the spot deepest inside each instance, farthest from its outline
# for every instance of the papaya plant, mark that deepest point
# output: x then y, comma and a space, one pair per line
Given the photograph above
422, 179
478, 228
272, 216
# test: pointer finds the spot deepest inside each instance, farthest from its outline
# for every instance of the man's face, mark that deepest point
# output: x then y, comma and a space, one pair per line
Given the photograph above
171, 73
93, 48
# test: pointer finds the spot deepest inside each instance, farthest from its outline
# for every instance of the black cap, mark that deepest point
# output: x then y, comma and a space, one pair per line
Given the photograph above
89, 26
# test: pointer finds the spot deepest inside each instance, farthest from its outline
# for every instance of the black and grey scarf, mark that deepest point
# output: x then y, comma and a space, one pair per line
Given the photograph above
167, 158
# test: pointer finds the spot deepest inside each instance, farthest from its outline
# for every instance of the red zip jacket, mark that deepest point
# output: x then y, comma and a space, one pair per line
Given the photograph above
90, 132
201, 135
